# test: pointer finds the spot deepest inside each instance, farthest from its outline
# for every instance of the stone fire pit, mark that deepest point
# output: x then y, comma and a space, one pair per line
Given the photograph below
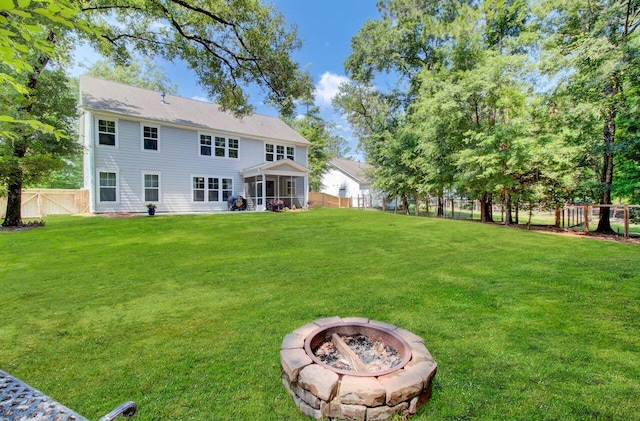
356, 369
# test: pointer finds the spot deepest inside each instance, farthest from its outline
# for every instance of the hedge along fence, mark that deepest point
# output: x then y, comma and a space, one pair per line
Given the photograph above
37, 203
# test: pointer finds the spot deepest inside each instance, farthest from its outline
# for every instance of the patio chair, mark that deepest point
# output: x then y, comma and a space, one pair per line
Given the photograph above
19, 401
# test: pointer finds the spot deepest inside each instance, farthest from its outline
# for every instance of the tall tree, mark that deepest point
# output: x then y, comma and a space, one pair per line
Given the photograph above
37, 105
589, 45
227, 44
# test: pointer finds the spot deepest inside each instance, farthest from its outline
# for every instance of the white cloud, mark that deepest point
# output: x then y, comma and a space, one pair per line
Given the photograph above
327, 88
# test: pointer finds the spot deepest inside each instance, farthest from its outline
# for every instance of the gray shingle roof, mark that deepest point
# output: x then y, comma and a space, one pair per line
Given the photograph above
103, 95
357, 170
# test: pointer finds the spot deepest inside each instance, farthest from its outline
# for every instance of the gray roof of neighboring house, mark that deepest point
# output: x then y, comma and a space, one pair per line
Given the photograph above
356, 170
103, 95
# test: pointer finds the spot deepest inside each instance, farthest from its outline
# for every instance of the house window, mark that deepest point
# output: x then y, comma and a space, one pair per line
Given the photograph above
150, 138
269, 149
217, 189
108, 186
214, 189
233, 148
151, 187
227, 188
106, 132
290, 187
278, 152
221, 146
205, 145
198, 189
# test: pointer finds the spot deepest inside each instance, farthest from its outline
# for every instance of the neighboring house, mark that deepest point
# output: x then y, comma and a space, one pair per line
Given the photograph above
183, 155
347, 178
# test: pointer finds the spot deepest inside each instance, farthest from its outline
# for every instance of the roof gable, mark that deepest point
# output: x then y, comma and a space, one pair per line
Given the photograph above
354, 169
111, 97
281, 166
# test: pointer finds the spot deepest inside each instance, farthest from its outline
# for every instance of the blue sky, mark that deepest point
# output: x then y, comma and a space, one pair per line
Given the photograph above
326, 28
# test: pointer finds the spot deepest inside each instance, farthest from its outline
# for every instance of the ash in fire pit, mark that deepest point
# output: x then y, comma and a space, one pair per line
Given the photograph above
374, 355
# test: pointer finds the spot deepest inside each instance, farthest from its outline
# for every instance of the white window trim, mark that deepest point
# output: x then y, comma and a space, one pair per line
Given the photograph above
275, 151
237, 139
291, 186
97, 132
200, 134
142, 174
213, 146
155, 126
113, 170
206, 187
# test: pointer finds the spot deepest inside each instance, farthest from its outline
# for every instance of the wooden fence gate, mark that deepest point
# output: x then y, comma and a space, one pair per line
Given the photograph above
37, 203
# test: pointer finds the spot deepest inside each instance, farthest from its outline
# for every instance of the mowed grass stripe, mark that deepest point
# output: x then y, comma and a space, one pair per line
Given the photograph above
185, 314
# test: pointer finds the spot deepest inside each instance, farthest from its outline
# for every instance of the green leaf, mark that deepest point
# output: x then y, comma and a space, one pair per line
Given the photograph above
7, 5
20, 13
23, 4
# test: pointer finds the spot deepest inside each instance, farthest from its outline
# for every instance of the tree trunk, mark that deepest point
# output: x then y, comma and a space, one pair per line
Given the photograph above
13, 216
606, 179
486, 211
508, 205
440, 206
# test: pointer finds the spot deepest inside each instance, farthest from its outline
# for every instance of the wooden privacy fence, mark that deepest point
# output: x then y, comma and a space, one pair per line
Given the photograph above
37, 203
323, 200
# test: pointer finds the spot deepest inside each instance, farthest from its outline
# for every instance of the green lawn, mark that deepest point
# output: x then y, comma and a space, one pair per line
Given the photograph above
185, 314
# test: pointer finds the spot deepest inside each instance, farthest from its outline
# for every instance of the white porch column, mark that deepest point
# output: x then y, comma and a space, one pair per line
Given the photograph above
264, 191
88, 143
306, 190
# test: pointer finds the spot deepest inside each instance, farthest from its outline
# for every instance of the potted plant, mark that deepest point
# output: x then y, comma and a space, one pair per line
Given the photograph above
151, 208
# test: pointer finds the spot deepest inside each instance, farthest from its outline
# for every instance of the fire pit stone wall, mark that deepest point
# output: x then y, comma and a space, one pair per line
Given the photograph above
321, 393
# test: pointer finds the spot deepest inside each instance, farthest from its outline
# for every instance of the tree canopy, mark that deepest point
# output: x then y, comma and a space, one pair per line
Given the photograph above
227, 44
505, 100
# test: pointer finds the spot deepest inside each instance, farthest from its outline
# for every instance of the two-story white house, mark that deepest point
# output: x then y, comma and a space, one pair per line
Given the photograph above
184, 155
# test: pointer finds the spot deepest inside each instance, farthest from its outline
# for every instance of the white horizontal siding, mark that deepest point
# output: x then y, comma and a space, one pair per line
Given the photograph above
177, 161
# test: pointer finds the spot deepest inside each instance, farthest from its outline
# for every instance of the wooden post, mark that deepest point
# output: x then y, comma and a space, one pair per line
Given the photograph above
586, 218
626, 221
557, 217
347, 353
